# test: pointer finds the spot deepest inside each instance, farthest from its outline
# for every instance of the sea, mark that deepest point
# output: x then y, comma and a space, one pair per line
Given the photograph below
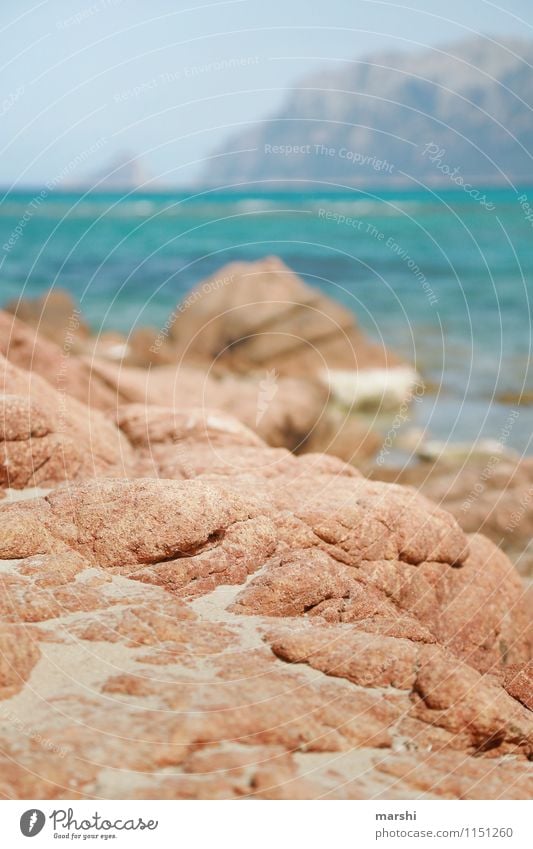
441, 276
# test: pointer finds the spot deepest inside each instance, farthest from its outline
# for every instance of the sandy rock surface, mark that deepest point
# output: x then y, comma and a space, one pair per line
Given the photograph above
259, 625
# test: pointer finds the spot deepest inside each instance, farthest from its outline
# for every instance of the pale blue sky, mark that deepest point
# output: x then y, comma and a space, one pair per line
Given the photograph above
70, 67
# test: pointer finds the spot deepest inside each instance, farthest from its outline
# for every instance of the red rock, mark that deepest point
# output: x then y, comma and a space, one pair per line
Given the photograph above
147, 427
47, 437
54, 315
312, 583
186, 537
473, 708
357, 520
519, 683
481, 614
476, 712
491, 495
262, 315
345, 653
65, 372
284, 411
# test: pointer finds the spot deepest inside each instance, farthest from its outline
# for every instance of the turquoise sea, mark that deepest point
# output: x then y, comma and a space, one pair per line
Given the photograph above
435, 274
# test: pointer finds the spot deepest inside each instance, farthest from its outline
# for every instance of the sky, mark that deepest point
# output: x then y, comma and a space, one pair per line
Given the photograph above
83, 81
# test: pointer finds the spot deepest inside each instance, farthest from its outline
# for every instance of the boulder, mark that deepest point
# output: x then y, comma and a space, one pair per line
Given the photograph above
519, 682
260, 316
491, 494
47, 436
476, 713
287, 412
54, 315
27, 349
188, 537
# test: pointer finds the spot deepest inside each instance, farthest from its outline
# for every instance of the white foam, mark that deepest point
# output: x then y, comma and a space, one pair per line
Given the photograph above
377, 387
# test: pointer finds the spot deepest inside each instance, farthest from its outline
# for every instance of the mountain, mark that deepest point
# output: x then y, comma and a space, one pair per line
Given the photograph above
123, 172
463, 111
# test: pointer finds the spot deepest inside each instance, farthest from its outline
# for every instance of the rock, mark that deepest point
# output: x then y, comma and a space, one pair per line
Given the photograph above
339, 651
433, 450
343, 435
186, 445
523, 398
282, 410
146, 348
47, 437
313, 584
465, 609
357, 520
227, 619
159, 696
186, 537
492, 495
343, 499
108, 345
65, 372
476, 713
54, 315
147, 427
48, 587
260, 315
481, 614
472, 708
519, 683
286, 412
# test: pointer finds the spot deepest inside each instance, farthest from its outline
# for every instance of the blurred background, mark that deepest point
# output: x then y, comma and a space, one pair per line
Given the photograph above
383, 152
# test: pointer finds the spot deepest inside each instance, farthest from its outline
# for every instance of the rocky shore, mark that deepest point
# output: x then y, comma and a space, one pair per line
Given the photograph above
202, 594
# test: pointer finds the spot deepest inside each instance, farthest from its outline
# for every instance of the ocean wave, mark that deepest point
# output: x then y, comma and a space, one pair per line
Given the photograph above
368, 207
